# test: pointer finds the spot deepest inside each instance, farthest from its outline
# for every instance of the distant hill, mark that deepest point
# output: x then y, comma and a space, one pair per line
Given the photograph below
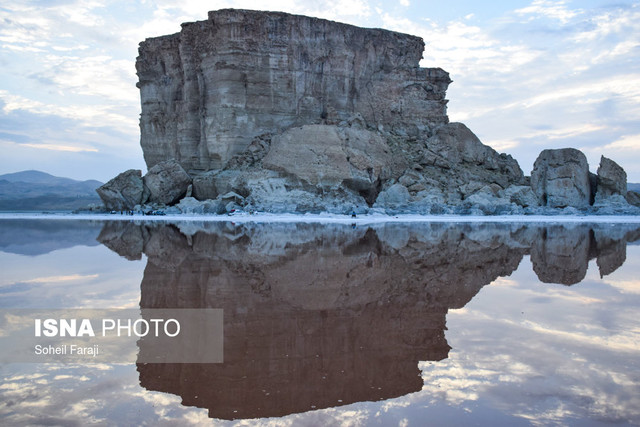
35, 190
26, 237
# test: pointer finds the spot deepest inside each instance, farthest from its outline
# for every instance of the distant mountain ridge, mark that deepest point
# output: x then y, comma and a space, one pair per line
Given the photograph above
36, 190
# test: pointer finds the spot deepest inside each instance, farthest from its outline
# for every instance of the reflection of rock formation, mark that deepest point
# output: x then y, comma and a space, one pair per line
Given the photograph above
314, 316
323, 315
561, 253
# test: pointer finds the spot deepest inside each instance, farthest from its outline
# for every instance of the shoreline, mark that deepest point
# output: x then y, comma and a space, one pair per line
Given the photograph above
327, 218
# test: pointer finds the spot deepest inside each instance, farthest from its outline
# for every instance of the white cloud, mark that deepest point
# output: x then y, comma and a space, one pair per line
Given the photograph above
624, 143
89, 116
549, 9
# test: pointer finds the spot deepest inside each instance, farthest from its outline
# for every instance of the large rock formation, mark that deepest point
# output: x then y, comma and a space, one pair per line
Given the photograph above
209, 90
302, 114
295, 114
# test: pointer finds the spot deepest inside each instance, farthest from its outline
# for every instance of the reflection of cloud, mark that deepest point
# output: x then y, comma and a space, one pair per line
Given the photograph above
542, 353
626, 286
77, 395
627, 341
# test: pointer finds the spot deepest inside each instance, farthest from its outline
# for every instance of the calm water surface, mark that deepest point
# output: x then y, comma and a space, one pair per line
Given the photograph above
391, 324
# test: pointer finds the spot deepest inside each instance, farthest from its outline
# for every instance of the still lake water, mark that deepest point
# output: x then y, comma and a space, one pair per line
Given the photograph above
329, 324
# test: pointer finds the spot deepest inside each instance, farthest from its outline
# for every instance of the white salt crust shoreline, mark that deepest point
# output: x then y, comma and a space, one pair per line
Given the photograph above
333, 218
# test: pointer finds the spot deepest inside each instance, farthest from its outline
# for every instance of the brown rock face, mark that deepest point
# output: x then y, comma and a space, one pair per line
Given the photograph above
356, 158
209, 90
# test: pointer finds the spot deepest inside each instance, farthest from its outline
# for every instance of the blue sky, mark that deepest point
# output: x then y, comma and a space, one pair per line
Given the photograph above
528, 74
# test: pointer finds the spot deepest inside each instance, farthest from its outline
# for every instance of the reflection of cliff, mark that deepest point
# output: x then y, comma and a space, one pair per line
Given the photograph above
323, 315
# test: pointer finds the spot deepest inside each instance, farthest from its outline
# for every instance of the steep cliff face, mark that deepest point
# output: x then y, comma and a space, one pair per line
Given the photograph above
209, 90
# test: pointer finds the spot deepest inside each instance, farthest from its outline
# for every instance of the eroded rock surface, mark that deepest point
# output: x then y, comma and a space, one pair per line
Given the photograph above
560, 178
123, 192
167, 182
612, 180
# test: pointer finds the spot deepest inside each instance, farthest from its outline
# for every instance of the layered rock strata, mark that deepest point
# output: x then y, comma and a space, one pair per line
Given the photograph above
209, 90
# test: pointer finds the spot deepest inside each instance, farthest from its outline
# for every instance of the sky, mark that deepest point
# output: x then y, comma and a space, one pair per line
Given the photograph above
528, 75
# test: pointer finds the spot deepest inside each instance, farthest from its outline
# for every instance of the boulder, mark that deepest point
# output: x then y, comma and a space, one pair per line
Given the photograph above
560, 178
123, 192
167, 182
521, 195
612, 180
204, 186
326, 157
395, 196
190, 205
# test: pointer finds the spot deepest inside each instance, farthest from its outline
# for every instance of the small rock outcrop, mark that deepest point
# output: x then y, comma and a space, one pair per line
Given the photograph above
123, 192
611, 181
560, 178
633, 198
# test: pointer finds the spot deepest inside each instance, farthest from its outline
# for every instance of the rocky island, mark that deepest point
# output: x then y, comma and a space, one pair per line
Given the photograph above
268, 111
